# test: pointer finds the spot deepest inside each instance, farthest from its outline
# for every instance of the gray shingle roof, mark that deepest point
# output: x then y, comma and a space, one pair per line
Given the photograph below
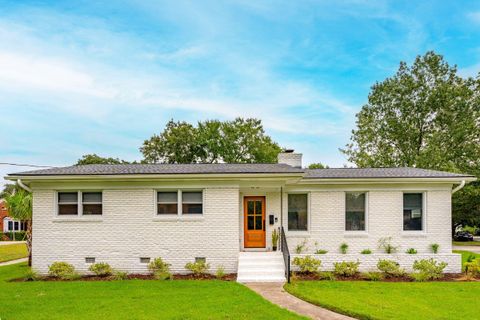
230, 168
346, 173
198, 168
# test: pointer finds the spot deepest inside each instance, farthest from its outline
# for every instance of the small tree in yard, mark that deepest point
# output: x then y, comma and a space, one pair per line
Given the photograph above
19, 206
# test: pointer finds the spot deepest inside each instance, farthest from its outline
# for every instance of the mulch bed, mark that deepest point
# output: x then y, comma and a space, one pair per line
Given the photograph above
134, 276
448, 277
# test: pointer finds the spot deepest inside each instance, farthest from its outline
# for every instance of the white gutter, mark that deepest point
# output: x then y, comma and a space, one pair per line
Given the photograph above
462, 184
23, 186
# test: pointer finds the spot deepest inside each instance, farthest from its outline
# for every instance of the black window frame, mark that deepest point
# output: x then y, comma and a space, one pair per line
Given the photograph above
365, 209
412, 224
290, 213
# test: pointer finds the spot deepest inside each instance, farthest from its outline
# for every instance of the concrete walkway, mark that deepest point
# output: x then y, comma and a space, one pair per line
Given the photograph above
274, 292
475, 249
13, 262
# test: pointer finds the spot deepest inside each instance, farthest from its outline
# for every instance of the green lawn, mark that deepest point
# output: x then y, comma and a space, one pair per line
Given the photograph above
466, 243
465, 255
393, 300
13, 252
130, 299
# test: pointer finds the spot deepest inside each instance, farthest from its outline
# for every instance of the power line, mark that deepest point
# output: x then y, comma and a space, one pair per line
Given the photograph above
24, 165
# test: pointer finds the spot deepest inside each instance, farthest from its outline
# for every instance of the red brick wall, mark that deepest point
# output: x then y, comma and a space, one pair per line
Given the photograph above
3, 214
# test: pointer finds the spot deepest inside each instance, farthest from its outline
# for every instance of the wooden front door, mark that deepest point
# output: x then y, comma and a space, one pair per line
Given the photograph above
254, 222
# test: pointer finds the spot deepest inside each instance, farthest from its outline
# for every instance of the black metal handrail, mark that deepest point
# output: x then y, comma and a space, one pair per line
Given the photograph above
285, 252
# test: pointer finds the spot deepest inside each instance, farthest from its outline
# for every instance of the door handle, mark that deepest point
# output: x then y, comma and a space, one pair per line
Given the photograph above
264, 225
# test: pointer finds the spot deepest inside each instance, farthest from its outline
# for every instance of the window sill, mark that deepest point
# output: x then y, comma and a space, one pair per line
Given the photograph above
77, 219
355, 234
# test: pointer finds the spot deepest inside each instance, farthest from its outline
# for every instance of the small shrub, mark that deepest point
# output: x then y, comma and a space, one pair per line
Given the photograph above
373, 276
390, 268
301, 247
307, 264
220, 273
346, 268
326, 275
101, 269
120, 275
321, 251
386, 245
31, 275
343, 248
411, 251
472, 268
366, 251
275, 236
197, 268
73, 276
434, 247
158, 264
428, 269
62, 270
160, 269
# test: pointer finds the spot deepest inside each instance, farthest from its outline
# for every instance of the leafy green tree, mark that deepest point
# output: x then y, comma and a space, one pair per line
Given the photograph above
7, 189
19, 206
317, 165
424, 116
96, 159
213, 141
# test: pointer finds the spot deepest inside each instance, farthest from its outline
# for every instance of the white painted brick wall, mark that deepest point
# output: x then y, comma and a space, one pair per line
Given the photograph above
368, 262
128, 230
385, 218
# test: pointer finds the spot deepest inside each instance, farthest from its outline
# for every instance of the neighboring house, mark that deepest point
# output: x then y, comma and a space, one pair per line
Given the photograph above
7, 224
126, 214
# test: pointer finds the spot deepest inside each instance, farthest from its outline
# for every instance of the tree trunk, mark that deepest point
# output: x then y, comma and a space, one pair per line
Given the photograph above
29, 241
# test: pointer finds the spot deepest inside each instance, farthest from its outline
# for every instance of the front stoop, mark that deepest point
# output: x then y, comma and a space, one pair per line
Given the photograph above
260, 267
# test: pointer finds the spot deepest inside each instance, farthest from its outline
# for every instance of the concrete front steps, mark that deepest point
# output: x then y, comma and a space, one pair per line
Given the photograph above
261, 267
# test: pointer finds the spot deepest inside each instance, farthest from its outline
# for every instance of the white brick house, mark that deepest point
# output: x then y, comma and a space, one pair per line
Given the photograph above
126, 214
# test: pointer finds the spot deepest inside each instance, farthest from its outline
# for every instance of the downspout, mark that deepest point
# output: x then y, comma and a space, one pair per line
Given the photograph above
462, 184
23, 186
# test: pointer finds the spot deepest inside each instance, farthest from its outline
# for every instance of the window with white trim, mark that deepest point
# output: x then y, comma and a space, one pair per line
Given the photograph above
297, 212
79, 203
413, 211
179, 202
355, 211
11, 225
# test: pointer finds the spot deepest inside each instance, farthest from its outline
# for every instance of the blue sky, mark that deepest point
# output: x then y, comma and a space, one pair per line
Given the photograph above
81, 77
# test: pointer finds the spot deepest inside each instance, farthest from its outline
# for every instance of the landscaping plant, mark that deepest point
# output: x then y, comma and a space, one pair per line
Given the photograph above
386, 244
307, 264
428, 269
62, 270
435, 247
411, 251
472, 268
101, 269
198, 268
390, 268
220, 273
301, 247
366, 251
346, 268
120, 275
275, 236
343, 248
373, 276
160, 269
326, 275
321, 251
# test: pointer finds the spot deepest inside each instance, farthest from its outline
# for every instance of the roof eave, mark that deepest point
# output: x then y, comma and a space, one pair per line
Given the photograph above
387, 180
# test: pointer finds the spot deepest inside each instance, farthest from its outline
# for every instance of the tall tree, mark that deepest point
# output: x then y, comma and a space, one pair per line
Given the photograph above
424, 116
96, 159
237, 141
317, 165
19, 206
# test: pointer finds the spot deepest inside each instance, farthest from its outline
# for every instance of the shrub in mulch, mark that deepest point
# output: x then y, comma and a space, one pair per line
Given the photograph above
448, 277
133, 276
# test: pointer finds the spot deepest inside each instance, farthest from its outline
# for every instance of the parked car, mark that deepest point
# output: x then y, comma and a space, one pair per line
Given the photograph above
463, 236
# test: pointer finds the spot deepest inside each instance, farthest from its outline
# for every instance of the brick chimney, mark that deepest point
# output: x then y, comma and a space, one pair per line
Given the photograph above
288, 156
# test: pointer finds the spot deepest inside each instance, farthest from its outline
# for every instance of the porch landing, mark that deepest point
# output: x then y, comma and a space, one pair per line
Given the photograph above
261, 267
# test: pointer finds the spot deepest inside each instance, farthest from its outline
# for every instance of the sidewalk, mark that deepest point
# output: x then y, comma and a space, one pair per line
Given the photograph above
6, 243
13, 262
275, 293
